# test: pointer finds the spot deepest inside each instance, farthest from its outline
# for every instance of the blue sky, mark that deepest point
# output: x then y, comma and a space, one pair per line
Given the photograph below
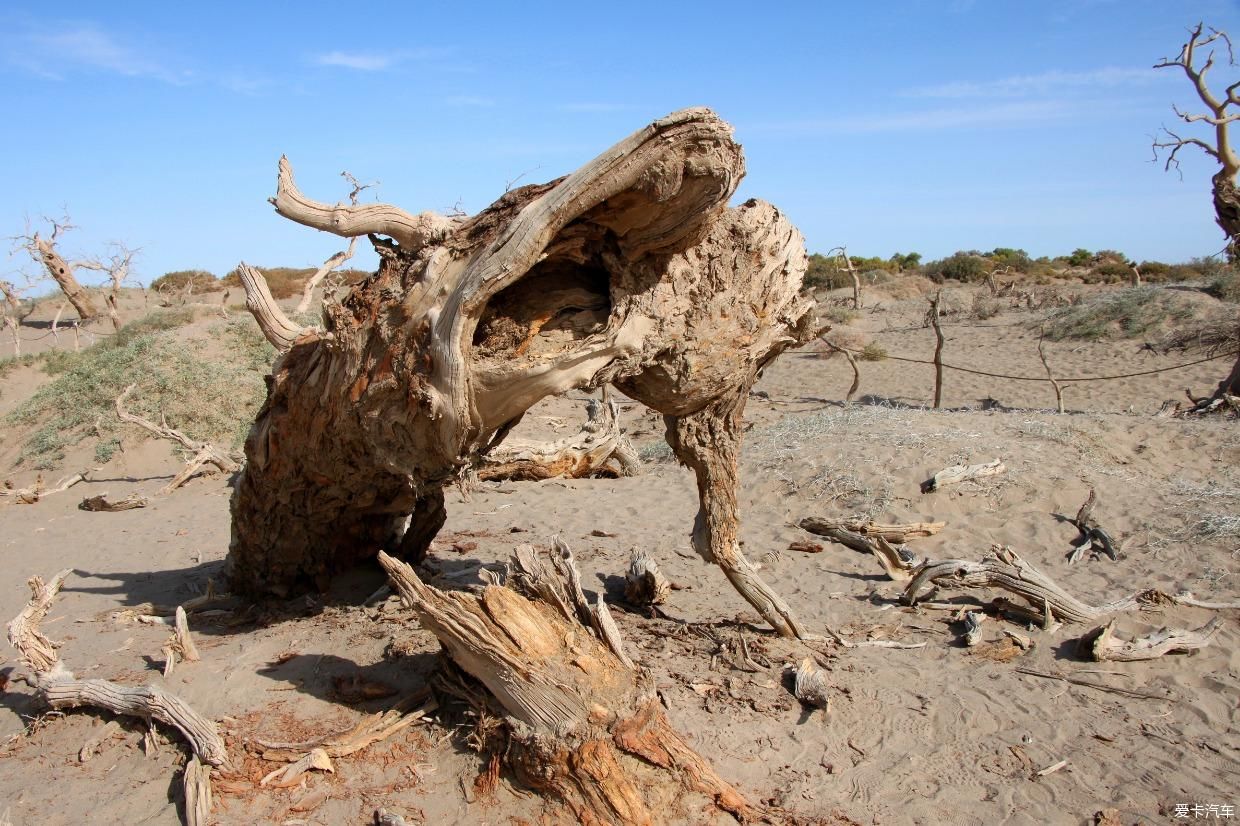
930, 126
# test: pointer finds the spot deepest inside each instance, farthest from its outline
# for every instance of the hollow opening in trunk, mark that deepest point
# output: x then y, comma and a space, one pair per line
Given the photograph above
558, 303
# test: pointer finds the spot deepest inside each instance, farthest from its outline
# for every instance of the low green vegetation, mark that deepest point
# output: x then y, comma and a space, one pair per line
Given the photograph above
210, 388
1125, 313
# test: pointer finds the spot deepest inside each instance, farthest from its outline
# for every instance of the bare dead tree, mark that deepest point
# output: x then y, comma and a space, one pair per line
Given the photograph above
13, 312
1221, 113
116, 267
337, 260
630, 271
43, 251
842, 254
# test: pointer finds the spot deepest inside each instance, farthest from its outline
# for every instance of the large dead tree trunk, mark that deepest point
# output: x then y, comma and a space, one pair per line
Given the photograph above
584, 723
62, 273
631, 271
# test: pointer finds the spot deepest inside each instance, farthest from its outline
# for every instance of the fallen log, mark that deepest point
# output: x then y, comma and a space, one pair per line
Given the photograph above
1102, 645
32, 494
898, 534
101, 503
1004, 569
956, 474
897, 561
599, 449
584, 728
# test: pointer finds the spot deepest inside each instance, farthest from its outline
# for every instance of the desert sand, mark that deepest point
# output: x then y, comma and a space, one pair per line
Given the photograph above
937, 734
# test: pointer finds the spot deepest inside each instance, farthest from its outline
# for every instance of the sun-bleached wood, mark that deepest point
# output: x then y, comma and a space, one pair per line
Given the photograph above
600, 448
630, 271
956, 474
57, 686
585, 728
1104, 646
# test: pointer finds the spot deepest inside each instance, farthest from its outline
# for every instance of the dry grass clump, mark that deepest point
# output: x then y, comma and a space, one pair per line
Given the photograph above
846, 339
873, 352
1123, 313
286, 282
1217, 333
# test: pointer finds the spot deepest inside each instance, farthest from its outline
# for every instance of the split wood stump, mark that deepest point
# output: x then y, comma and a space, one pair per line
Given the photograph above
631, 271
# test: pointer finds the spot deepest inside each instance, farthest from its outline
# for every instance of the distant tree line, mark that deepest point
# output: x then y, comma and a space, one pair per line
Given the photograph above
967, 266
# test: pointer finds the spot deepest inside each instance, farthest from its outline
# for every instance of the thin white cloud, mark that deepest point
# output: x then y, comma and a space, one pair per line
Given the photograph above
377, 61
470, 101
1053, 81
56, 51
357, 60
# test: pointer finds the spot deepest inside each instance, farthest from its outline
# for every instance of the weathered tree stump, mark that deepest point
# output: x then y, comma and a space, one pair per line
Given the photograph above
585, 726
631, 271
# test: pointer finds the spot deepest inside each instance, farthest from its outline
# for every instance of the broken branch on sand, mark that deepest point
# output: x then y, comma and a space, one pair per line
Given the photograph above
956, 474
57, 686
600, 448
1004, 569
204, 452
32, 494
1102, 645
897, 561
1093, 537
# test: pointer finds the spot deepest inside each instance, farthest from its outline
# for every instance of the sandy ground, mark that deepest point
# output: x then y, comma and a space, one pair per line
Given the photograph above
940, 734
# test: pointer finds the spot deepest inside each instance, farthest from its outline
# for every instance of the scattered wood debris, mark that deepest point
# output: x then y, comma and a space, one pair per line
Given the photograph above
180, 646
810, 685
101, 503
32, 494
1093, 538
644, 583
956, 474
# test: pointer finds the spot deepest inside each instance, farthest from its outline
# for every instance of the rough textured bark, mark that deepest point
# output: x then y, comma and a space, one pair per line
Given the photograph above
630, 271
62, 273
1227, 212
585, 726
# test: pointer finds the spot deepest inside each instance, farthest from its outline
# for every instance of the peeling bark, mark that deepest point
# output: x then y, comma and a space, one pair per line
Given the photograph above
62, 273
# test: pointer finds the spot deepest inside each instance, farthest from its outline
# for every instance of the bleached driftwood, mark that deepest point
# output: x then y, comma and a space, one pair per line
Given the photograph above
810, 684
973, 627
196, 782
101, 503
1103, 646
205, 453
898, 534
644, 583
1093, 537
57, 686
897, 561
585, 728
1004, 569
276, 327
956, 474
632, 271
180, 646
32, 494
599, 449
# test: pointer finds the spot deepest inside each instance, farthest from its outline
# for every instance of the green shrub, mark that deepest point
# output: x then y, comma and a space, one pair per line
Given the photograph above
960, 266
1126, 313
1225, 286
1080, 257
824, 272
207, 397
179, 280
1108, 273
